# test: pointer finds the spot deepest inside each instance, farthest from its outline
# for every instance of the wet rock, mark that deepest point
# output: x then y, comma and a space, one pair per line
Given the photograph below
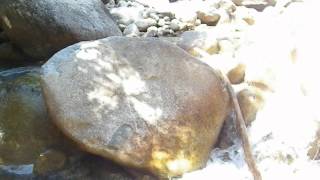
142, 103
41, 28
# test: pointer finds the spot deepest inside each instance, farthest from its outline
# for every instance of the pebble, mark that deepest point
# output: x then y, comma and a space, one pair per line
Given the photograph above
143, 24
152, 31
131, 30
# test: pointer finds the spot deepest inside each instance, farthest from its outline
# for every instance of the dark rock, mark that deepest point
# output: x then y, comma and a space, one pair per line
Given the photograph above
41, 28
143, 103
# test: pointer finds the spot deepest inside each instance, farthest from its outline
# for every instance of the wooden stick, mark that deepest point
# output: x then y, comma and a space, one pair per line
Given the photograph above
242, 130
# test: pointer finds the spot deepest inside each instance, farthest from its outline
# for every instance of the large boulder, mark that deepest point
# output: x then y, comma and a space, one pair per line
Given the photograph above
41, 28
143, 103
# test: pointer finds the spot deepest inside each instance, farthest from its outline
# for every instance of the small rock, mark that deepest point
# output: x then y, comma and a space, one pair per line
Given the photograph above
247, 15
151, 32
126, 15
122, 27
198, 22
143, 24
166, 18
236, 75
161, 22
250, 101
175, 25
227, 6
131, 30
154, 16
210, 18
49, 161
205, 41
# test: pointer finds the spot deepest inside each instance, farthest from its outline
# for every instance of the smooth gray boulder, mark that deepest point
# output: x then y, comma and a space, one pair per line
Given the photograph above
41, 28
141, 102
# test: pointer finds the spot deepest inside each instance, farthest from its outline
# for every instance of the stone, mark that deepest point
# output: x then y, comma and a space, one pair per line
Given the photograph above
191, 40
259, 5
131, 30
236, 75
175, 25
154, 16
41, 28
161, 22
31, 147
210, 18
141, 102
143, 24
251, 101
151, 32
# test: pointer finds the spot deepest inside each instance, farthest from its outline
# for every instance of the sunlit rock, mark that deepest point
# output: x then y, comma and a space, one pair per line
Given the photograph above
236, 74
142, 103
41, 28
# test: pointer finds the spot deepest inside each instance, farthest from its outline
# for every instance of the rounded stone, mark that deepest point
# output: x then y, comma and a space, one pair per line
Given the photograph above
250, 101
143, 103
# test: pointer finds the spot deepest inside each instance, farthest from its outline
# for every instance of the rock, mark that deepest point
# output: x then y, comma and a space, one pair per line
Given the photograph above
175, 25
151, 32
190, 40
143, 103
161, 22
210, 18
154, 16
25, 128
131, 30
236, 75
259, 5
30, 145
41, 28
250, 101
126, 15
247, 15
143, 24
